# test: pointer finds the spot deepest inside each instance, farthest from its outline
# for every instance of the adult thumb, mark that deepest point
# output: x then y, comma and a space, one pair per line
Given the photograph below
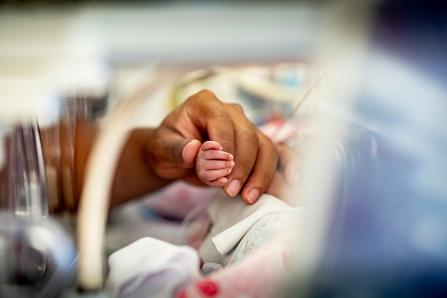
169, 147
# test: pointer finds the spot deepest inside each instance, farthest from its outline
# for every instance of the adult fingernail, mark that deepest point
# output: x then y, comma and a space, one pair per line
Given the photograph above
234, 187
252, 195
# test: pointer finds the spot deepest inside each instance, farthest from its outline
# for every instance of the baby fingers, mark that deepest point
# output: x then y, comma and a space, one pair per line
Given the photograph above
216, 164
217, 154
212, 175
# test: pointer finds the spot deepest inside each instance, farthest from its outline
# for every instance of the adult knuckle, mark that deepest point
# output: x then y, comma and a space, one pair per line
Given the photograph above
206, 94
199, 98
249, 136
236, 107
220, 114
193, 99
205, 105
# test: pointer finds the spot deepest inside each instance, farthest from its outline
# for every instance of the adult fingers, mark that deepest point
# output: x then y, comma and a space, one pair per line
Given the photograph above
246, 151
210, 116
221, 129
170, 147
263, 171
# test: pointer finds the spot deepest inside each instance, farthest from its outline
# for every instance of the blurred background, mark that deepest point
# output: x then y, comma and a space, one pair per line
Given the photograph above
112, 46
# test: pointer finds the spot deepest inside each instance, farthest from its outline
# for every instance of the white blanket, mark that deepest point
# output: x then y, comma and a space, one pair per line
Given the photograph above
151, 267
232, 219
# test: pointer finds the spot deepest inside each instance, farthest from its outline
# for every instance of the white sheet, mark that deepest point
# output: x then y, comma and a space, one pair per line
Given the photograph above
232, 219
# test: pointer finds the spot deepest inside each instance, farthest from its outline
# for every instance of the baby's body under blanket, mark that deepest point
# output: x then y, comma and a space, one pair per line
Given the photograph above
238, 229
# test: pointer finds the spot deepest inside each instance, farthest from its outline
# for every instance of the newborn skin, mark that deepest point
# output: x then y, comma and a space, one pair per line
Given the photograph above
213, 164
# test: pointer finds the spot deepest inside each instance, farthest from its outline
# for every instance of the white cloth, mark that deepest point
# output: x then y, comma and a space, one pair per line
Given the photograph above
151, 267
232, 219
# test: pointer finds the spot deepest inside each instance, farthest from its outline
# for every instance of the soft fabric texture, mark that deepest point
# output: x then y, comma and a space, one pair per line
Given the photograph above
240, 234
151, 267
260, 275
232, 220
248, 241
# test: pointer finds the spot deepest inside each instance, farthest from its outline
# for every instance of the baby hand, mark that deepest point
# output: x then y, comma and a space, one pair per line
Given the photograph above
213, 164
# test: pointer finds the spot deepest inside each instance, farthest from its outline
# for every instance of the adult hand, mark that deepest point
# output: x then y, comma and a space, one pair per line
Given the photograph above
287, 175
175, 143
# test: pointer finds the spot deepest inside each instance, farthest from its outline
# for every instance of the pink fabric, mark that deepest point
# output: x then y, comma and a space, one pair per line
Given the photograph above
260, 275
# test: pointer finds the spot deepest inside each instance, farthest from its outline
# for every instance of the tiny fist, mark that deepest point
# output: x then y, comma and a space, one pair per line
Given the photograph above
210, 145
213, 164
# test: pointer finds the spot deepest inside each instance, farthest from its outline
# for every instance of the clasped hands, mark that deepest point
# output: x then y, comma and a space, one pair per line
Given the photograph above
255, 159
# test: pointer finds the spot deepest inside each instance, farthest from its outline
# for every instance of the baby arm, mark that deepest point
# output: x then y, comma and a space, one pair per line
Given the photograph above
213, 164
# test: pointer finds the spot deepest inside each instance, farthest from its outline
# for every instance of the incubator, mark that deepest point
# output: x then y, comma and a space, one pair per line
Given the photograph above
37, 255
